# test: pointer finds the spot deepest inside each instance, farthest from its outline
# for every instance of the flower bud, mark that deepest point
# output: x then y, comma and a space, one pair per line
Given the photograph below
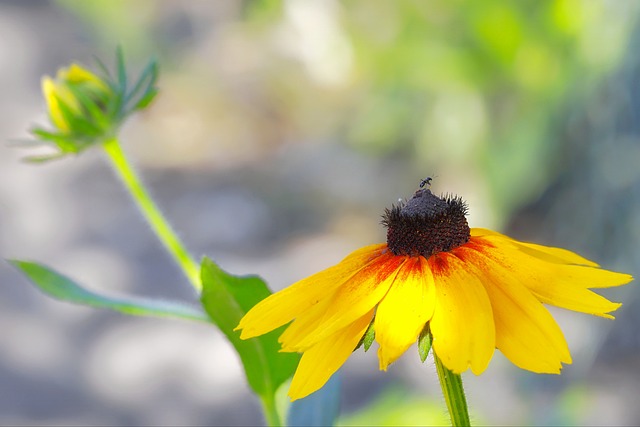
65, 95
86, 109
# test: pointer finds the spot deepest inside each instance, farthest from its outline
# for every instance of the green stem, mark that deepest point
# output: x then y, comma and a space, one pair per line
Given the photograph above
151, 212
453, 393
270, 410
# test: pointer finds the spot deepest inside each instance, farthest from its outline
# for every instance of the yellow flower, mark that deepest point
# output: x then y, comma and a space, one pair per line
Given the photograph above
476, 290
58, 91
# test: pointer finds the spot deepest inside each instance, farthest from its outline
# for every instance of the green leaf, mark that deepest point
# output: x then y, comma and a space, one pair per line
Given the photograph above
63, 288
424, 343
227, 298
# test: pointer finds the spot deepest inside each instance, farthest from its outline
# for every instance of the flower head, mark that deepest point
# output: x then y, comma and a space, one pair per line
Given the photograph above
86, 108
475, 290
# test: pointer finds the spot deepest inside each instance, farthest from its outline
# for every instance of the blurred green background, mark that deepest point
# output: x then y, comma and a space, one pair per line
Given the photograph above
282, 130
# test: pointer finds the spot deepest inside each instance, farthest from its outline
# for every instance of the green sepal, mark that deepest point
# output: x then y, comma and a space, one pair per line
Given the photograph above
89, 104
70, 117
63, 288
64, 143
144, 91
424, 343
122, 71
106, 75
227, 298
44, 158
83, 133
368, 337
145, 100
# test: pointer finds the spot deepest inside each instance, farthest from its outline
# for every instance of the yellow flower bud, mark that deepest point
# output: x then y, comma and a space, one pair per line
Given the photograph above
59, 93
86, 109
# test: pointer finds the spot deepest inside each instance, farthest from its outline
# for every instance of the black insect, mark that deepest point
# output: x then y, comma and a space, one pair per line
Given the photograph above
426, 182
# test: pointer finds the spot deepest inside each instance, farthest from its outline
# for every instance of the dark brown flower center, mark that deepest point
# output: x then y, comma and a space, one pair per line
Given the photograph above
426, 224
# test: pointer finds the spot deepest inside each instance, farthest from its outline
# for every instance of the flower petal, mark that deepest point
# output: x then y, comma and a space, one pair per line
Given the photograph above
526, 333
353, 299
323, 359
51, 94
561, 285
481, 232
551, 254
546, 253
462, 324
403, 312
77, 74
306, 323
281, 307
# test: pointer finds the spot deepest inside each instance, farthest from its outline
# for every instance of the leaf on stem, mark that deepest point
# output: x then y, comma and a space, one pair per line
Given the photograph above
226, 298
63, 288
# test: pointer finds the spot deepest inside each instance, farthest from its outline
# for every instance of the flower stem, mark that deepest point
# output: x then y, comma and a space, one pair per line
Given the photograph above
270, 410
453, 393
151, 212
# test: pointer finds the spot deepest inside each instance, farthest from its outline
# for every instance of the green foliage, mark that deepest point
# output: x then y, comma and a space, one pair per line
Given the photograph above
227, 298
65, 289
471, 86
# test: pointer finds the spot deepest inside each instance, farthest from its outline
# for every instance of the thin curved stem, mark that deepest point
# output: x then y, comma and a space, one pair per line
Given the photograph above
152, 214
453, 393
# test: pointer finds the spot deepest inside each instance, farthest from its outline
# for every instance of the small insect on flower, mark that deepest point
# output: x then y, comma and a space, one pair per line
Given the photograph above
473, 289
426, 182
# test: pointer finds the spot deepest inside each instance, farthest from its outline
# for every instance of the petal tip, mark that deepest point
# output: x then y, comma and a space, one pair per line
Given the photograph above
627, 278
384, 364
245, 333
47, 85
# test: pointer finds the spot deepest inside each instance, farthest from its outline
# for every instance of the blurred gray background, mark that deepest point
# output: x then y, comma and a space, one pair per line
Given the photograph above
282, 130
